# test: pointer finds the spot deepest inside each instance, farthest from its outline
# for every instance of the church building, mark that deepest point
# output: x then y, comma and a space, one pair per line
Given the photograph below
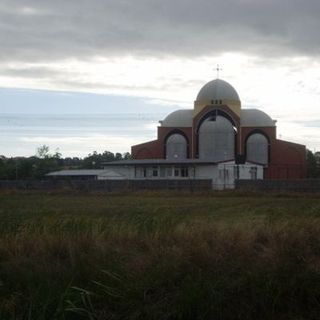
220, 133
216, 140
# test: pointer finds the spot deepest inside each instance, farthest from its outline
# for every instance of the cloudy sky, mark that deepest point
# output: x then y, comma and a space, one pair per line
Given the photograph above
144, 58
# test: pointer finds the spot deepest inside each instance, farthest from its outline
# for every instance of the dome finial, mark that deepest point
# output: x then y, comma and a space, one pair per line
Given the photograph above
218, 69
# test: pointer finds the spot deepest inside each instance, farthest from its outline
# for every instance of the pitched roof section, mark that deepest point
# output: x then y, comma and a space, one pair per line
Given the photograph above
105, 173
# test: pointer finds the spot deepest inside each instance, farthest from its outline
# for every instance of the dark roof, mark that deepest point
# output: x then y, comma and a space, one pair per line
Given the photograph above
157, 162
86, 172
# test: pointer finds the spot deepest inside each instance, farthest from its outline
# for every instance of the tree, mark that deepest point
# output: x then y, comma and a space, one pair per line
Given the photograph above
126, 156
46, 162
42, 152
313, 165
118, 156
95, 160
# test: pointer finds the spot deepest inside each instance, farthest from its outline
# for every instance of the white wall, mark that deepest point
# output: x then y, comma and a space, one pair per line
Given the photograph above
228, 174
223, 175
126, 171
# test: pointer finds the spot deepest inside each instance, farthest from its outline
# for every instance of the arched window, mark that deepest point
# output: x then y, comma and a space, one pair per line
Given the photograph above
216, 139
176, 147
257, 148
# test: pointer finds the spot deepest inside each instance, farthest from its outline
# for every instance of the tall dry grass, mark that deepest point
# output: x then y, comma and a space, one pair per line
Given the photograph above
190, 270
73, 256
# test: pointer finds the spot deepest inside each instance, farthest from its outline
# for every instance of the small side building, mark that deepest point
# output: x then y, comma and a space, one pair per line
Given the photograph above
222, 175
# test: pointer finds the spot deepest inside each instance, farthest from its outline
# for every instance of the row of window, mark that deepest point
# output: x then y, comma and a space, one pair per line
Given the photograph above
164, 172
187, 172
216, 102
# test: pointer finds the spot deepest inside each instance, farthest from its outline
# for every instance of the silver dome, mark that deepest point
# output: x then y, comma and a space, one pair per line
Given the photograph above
180, 118
217, 90
255, 118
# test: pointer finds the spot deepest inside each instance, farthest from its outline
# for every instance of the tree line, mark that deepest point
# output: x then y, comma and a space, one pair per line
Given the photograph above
44, 161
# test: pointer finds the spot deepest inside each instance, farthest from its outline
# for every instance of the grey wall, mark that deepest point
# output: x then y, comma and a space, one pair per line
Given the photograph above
105, 185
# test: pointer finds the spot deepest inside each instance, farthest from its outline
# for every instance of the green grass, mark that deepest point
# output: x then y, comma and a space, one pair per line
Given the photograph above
159, 255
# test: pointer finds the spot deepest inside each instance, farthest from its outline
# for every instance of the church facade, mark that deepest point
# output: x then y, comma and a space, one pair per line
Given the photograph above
219, 131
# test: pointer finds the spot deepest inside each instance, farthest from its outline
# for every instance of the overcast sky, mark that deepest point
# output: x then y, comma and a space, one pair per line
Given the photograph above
153, 56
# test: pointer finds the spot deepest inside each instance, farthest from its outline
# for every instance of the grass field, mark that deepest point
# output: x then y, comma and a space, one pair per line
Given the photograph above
159, 256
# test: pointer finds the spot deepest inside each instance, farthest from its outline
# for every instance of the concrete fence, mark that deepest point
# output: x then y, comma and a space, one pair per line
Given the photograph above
307, 185
183, 185
106, 185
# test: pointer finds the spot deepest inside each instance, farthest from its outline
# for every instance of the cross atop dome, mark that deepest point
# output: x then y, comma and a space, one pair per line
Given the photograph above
218, 69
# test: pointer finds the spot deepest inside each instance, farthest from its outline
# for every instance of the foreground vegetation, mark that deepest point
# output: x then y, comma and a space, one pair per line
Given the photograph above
159, 256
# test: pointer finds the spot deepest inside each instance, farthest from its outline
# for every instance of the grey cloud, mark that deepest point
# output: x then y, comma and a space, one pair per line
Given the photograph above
45, 30
311, 123
106, 86
28, 72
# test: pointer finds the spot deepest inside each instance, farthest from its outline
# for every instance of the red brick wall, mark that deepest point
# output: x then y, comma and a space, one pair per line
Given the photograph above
147, 150
156, 149
287, 161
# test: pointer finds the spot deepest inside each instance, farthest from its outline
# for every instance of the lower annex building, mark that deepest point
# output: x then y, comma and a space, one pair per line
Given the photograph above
217, 140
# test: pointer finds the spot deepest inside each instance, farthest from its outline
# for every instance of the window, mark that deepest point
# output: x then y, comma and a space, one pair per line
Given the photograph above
176, 147
236, 172
184, 172
253, 173
176, 172
224, 174
149, 172
154, 171
257, 148
216, 139
139, 172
